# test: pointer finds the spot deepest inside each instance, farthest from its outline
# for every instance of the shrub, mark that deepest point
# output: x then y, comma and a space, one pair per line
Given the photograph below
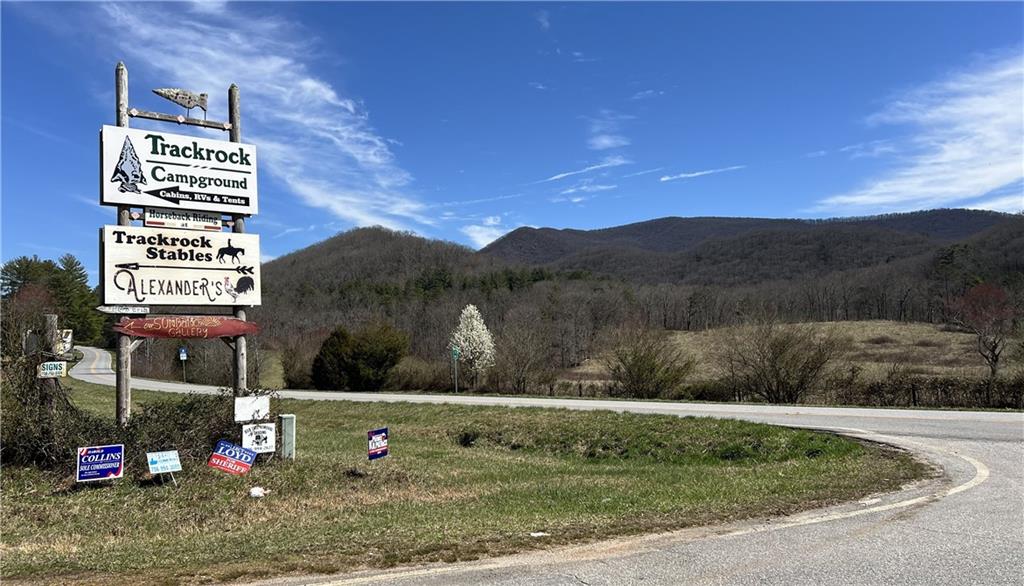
646, 365
416, 374
778, 363
359, 362
42, 428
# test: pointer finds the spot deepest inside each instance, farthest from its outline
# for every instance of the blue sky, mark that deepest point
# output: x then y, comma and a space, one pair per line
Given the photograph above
463, 121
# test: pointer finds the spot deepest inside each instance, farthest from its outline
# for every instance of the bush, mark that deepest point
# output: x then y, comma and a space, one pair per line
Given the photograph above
359, 362
778, 363
646, 365
416, 374
42, 428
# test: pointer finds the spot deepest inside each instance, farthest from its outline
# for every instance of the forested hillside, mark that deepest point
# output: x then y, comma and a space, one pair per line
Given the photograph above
820, 271
738, 251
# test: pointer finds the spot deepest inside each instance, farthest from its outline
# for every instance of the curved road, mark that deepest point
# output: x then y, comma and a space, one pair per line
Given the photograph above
966, 527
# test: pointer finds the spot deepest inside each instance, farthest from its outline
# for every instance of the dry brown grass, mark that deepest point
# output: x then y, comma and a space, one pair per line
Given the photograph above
873, 346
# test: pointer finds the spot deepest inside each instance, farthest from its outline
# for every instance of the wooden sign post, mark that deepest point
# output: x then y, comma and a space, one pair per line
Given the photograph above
185, 270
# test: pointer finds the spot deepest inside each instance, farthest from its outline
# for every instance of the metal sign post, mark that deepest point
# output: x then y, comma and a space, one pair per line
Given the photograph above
455, 359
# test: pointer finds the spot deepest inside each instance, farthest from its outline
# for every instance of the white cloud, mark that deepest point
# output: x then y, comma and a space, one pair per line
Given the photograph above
968, 131
607, 121
492, 220
587, 187
692, 174
644, 172
319, 144
543, 18
874, 148
265, 258
481, 236
1013, 204
600, 142
537, 85
208, 6
815, 154
613, 161
643, 95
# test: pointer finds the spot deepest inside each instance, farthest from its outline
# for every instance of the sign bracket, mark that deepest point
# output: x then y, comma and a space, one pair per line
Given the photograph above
179, 119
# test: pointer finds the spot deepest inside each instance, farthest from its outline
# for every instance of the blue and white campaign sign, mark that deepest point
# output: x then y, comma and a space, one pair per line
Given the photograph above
100, 463
163, 462
377, 443
231, 458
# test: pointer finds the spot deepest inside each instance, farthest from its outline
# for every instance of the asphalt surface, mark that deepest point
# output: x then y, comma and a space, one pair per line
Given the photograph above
966, 527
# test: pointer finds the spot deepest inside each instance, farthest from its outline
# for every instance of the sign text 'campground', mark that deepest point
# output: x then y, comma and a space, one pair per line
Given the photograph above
158, 266
149, 168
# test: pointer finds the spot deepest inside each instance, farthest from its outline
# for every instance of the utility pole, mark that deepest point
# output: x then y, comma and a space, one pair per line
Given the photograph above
124, 218
238, 226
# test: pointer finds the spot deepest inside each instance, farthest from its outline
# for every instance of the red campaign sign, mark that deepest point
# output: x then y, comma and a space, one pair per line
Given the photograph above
186, 326
231, 458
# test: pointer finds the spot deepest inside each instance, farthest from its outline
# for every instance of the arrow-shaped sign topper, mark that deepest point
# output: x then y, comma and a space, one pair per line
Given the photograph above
186, 326
134, 266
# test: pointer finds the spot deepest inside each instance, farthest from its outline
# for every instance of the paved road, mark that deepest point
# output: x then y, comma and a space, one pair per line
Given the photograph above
965, 528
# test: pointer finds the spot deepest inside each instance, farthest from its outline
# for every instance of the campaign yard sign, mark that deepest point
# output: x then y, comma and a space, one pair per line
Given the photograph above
231, 458
163, 462
100, 463
377, 443
166, 266
252, 408
148, 168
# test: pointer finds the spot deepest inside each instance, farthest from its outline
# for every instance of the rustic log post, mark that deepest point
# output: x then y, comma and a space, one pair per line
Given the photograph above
124, 349
238, 226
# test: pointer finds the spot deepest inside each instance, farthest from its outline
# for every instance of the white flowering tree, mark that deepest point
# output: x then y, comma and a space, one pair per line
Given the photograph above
474, 342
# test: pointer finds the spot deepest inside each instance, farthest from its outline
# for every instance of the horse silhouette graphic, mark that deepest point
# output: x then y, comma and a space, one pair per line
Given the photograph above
231, 251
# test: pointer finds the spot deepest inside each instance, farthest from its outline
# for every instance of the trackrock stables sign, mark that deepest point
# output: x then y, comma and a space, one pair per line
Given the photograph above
156, 266
186, 326
149, 168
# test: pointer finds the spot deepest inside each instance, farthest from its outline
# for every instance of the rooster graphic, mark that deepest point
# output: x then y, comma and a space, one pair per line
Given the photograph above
244, 285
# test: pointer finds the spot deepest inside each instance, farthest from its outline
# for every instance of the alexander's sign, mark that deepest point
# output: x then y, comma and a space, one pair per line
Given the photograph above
149, 168
158, 266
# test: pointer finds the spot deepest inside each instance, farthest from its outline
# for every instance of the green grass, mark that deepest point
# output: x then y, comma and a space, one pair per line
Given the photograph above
461, 483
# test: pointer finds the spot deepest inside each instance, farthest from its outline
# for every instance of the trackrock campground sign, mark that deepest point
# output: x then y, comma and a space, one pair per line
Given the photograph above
149, 168
157, 266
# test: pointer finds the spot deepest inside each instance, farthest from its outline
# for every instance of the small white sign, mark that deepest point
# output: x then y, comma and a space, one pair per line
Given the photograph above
185, 219
52, 370
260, 437
252, 408
163, 462
149, 168
123, 309
65, 342
182, 354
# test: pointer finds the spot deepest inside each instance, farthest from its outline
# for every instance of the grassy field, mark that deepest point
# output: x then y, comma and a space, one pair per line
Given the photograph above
461, 483
874, 346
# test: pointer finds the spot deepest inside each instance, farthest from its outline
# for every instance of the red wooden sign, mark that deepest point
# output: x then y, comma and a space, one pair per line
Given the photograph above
186, 326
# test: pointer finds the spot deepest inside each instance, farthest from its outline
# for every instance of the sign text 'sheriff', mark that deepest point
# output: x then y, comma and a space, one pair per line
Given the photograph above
157, 266
150, 168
